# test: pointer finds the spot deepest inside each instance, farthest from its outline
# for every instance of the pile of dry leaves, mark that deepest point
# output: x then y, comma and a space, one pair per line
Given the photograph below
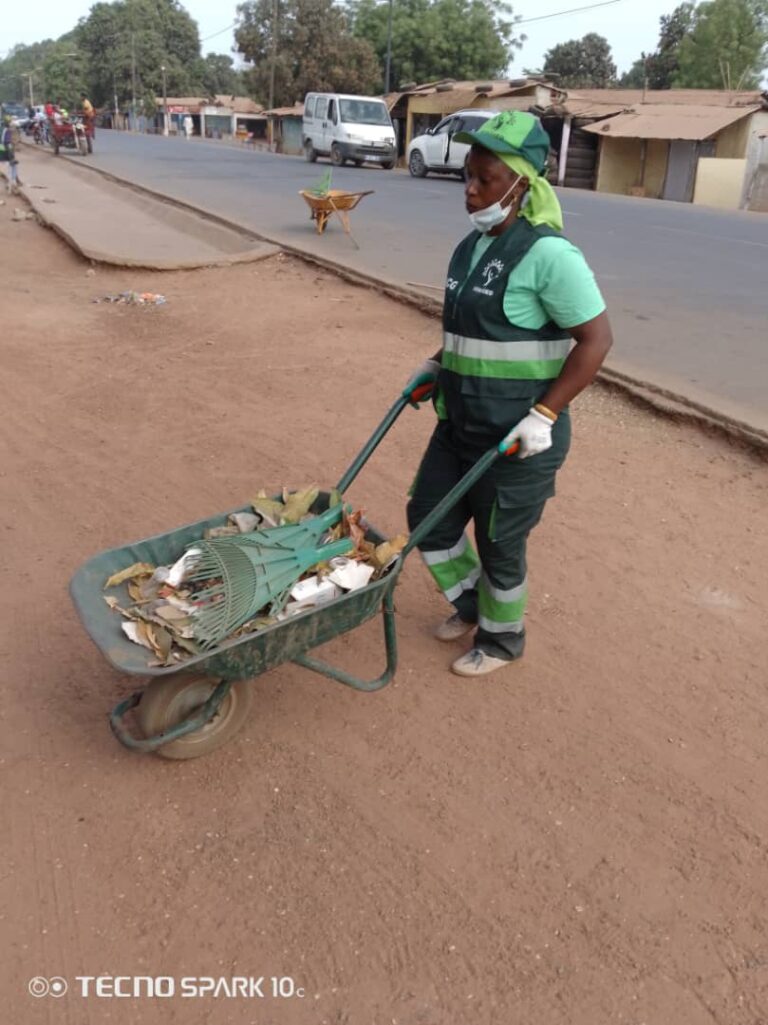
160, 604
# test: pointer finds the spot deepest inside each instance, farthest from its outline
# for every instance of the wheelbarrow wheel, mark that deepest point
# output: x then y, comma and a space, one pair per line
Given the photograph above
167, 701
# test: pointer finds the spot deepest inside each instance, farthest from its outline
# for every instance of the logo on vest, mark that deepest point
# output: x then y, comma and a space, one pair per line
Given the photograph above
492, 270
451, 284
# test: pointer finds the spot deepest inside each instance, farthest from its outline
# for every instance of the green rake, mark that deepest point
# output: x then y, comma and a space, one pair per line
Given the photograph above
238, 580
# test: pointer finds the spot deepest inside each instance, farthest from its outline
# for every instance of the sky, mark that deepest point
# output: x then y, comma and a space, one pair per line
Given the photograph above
630, 26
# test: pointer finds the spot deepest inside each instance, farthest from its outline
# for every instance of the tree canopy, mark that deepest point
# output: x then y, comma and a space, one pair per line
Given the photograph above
434, 39
117, 51
581, 63
726, 47
219, 77
126, 44
313, 46
716, 45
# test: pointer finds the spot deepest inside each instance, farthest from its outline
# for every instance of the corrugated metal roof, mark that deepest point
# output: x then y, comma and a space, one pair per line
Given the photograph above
578, 107
297, 110
497, 87
623, 98
239, 104
653, 121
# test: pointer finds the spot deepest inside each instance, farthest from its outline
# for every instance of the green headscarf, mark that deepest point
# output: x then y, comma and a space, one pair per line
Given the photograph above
520, 141
542, 205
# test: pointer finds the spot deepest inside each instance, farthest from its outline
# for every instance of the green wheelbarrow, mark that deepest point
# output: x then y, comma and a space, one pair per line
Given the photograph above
191, 709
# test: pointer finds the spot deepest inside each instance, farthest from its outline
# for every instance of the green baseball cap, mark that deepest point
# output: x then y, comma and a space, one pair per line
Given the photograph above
512, 132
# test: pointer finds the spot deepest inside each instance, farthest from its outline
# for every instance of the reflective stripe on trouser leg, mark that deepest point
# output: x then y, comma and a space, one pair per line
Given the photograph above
454, 569
501, 610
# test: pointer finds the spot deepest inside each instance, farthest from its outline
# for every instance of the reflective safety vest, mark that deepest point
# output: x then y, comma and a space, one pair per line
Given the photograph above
492, 369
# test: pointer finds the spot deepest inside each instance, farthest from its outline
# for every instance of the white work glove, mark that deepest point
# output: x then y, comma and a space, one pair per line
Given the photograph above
422, 382
532, 435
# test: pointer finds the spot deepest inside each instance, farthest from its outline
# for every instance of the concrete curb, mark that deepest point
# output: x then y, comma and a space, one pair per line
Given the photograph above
662, 400
113, 259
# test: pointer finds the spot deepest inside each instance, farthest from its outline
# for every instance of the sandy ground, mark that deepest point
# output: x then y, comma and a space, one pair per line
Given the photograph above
582, 841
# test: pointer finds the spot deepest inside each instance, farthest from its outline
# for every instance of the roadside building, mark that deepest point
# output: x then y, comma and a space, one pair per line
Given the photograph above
284, 129
218, 117
418, 108
689, 145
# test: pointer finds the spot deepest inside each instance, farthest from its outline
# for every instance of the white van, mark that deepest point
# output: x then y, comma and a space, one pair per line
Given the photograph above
356, 128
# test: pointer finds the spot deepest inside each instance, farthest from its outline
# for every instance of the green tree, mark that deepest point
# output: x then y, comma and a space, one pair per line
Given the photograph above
726, 47
16, 67
660, 68
218, 76
434, 39
125, 45
581, 63
635, 77
314, 49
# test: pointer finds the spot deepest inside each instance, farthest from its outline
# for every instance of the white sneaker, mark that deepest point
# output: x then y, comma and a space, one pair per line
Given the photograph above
452, 628
477, 663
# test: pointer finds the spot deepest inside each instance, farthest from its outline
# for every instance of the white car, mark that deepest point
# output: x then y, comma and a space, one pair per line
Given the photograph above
436, 151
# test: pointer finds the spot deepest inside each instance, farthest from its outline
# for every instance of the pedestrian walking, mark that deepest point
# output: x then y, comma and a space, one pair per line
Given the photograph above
517, 296
8, 154
188, 126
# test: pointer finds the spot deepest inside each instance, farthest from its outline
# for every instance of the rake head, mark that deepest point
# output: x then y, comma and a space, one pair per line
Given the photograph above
233, 582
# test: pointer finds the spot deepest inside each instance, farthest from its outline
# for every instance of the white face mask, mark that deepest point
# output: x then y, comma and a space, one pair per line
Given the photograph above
491, 216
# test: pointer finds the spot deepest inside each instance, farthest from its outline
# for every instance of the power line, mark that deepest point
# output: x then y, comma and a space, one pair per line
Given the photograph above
572, 10
230, 27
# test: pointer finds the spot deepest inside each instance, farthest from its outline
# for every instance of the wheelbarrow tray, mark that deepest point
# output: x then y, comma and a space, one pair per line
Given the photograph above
237, 659
334, 199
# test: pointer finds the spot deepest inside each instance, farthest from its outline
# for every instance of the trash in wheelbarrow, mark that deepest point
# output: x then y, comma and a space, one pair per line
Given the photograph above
161, 604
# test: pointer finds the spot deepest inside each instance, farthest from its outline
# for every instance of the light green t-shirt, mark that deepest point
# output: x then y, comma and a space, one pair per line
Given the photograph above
553, 281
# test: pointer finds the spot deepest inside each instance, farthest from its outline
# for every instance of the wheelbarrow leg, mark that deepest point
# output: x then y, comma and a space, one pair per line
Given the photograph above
390, 644
344, 218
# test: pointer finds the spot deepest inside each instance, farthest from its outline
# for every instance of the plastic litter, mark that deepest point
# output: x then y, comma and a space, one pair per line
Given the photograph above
134, 299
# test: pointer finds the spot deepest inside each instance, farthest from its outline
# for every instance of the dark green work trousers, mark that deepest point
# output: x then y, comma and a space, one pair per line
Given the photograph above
488, 586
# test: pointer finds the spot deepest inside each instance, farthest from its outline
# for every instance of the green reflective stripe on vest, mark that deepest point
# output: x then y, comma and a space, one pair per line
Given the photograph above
507, 370
488, 362
501, 610
454, 569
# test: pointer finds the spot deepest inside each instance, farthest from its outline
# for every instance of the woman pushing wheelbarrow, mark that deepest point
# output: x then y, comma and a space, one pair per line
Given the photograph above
518, 294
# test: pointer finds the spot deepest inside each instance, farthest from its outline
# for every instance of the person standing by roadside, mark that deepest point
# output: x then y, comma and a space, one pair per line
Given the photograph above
188, 126
518, 295
89, 114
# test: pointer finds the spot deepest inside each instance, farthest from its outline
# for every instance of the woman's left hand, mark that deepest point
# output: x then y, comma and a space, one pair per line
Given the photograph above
533, 435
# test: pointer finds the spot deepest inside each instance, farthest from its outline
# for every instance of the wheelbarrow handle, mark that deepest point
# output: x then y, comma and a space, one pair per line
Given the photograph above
372, 444
447, 502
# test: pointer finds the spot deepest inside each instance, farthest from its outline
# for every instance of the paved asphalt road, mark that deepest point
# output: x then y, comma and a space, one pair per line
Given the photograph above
687, 287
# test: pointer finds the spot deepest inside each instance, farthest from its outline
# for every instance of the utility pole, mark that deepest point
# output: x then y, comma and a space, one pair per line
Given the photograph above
133, 80
114, 90
645, 77
165, 102
388, 69
273, 56
28, 75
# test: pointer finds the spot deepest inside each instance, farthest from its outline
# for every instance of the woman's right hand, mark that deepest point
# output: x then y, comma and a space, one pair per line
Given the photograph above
422, 382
